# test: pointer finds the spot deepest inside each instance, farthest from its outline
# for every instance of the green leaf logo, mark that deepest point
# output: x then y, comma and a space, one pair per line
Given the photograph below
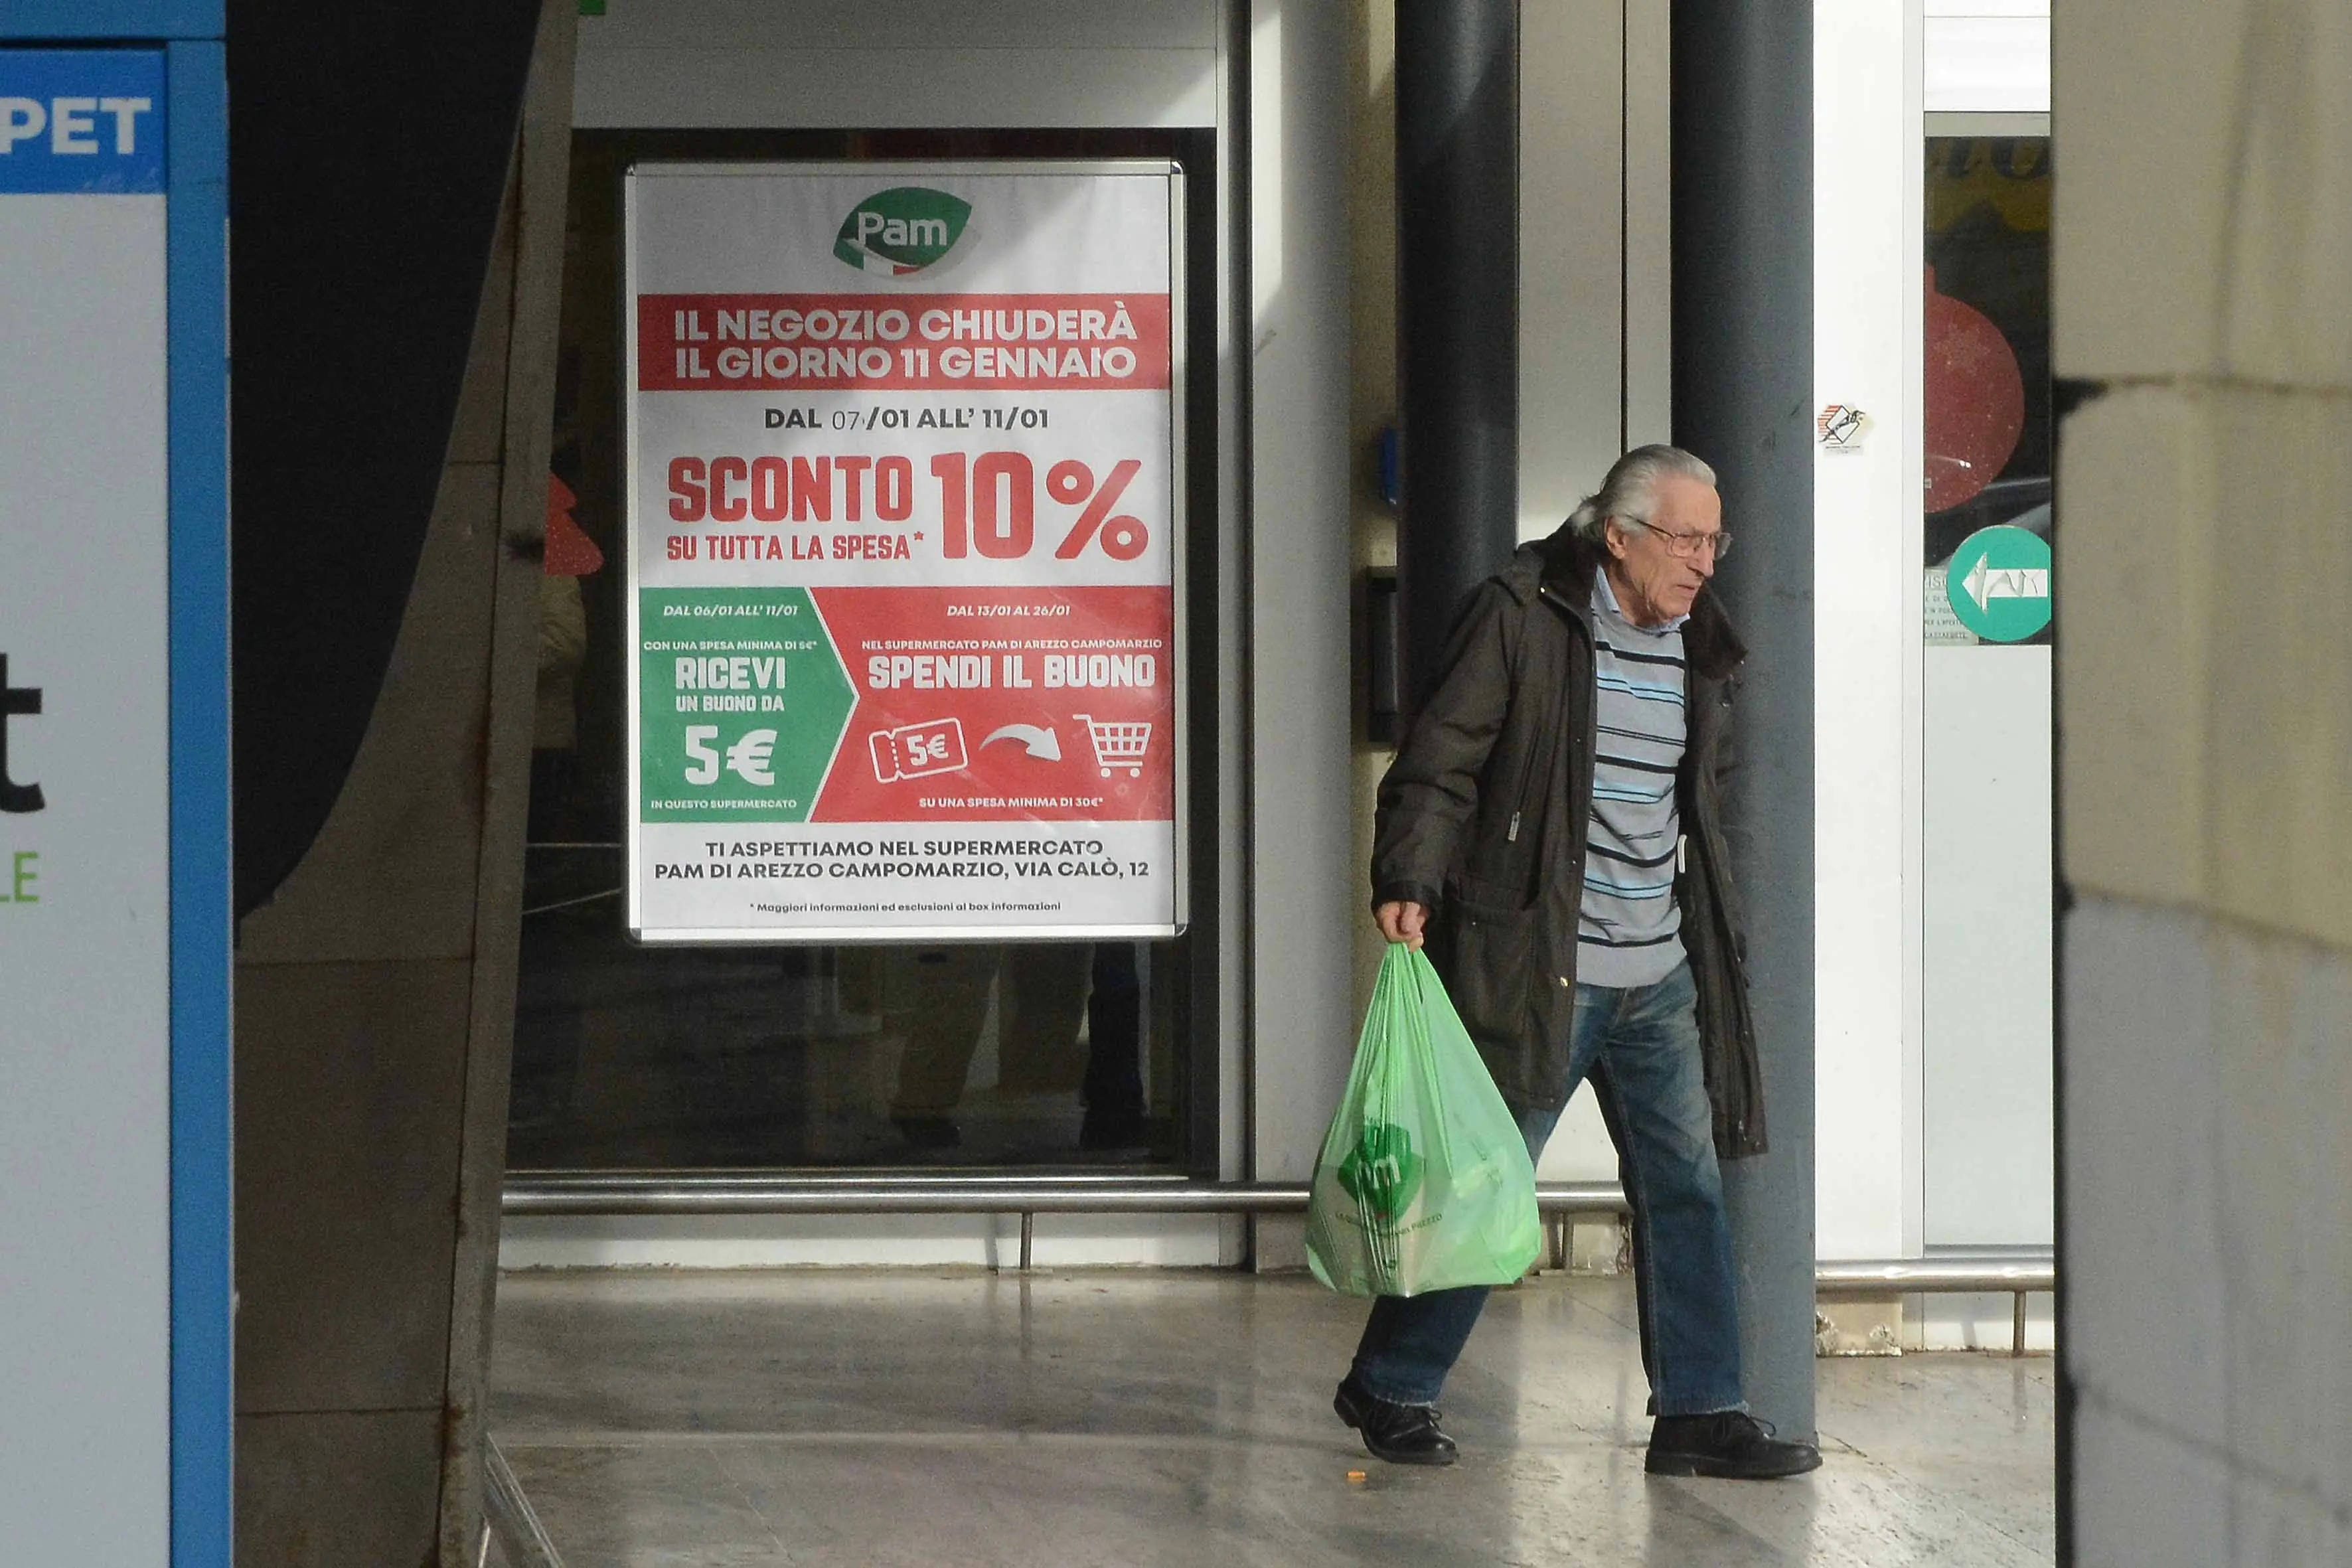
1381, 1173
901, 230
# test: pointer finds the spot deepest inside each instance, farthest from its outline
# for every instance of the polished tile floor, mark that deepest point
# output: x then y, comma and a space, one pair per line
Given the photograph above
872, 1420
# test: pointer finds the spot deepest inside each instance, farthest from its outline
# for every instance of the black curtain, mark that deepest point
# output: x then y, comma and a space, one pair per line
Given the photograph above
368, 154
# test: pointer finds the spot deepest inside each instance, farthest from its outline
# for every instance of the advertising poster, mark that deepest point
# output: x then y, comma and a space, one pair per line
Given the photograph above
86, 1017
905, 517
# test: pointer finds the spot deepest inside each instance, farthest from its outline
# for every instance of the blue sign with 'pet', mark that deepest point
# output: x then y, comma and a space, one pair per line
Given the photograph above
81, 122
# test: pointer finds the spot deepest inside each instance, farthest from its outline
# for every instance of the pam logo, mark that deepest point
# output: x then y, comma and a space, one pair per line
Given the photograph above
901, 230
1382, 1174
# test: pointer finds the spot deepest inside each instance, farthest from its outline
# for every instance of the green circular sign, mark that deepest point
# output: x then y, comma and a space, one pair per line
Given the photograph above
1999, 583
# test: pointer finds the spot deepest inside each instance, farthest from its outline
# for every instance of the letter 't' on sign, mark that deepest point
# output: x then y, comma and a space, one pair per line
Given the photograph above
16, 701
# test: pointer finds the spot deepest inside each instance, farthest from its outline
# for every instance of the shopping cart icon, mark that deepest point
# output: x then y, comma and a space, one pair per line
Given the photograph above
1118, 745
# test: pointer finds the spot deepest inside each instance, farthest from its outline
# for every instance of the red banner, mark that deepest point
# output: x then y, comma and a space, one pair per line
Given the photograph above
786, 342
1038, 704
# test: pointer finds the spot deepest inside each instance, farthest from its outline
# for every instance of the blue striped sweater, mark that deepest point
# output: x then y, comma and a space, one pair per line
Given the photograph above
1629, 932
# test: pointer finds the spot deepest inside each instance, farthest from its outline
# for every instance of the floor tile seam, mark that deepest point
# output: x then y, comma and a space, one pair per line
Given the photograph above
598, 1440
1630, 1323
743, 1493
1698, 1495
310, 1412
1907, 1484
635, 1283
1560, 1433
1910, 1483
568, 1440
1609, 1436
616, 1278
2005, 1532
1840, 1554
1883, 1466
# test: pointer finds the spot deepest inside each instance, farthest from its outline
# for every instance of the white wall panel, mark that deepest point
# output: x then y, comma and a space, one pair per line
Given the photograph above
1989, 1175
1989, 63
990, 25
1868, 180
1571, 254
899, 63
1649, 223
1306, 879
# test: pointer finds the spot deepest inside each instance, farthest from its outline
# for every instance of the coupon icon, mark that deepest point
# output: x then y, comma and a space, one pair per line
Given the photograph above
918, 751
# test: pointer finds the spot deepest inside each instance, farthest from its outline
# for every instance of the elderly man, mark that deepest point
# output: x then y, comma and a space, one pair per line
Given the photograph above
1552, 826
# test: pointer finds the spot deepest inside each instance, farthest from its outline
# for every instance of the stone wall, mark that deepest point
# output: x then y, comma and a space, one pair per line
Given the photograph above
2203, 318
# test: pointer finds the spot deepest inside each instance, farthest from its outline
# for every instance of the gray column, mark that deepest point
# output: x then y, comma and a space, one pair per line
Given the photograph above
1457, 274
376, 989
1743, 359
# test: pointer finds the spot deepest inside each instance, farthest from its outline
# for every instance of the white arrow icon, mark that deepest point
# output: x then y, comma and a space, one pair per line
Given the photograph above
748, 757
1986, 582
1039, 739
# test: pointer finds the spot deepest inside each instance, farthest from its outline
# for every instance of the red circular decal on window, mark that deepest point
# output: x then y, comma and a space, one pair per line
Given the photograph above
1975, 400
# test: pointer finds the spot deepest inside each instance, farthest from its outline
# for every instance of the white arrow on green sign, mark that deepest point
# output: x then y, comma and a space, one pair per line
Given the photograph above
1999, 583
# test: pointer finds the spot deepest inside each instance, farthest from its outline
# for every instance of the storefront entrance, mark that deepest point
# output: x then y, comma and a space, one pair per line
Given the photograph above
956, 1048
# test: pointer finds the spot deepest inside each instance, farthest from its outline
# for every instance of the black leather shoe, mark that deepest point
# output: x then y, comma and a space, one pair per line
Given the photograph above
1401, 1434
1731, 1444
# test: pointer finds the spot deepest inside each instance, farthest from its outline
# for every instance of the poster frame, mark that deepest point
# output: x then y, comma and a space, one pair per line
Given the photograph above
200, 1310
202, 1223
1180, 858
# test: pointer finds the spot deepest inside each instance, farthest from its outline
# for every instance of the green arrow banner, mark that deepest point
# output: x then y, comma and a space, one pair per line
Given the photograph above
742, 701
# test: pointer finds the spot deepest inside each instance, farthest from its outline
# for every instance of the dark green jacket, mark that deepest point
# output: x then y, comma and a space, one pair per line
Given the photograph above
1483, 817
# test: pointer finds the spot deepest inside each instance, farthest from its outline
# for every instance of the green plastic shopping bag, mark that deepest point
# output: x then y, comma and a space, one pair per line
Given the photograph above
1424, 1181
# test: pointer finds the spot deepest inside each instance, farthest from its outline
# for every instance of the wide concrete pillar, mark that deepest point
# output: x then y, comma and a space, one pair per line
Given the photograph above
1743, 359
375, 991
2203, 318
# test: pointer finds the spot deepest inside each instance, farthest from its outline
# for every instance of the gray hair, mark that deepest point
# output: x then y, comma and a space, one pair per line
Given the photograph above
1631, 488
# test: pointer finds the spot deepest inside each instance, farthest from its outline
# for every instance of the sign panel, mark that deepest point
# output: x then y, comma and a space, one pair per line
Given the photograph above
1999, 583
86, 1019
904, 520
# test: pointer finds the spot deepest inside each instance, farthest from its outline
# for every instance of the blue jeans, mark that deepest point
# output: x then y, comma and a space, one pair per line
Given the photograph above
1640, 1047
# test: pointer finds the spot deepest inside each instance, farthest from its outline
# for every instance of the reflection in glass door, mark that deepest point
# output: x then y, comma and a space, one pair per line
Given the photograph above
1988, 936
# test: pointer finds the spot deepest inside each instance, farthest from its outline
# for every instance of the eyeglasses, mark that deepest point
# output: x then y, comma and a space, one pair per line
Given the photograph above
1685, 545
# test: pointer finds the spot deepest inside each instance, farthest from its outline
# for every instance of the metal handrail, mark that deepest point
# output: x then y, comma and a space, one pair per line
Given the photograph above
2002, 1272
669, 1193
609, 1194
2014, 1274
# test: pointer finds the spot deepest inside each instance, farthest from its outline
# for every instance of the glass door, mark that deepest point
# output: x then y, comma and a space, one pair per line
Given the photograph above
1989, 948
1042, 1056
